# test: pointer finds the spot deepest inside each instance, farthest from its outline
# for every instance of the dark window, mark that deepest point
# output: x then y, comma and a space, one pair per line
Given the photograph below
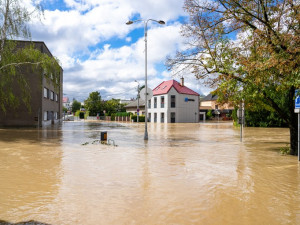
149, 104
155, 117
162, 117
173, 100
149, 117
155, 102
162, 102
173, 117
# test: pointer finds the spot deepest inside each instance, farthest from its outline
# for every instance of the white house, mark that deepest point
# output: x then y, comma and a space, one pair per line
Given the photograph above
172, 102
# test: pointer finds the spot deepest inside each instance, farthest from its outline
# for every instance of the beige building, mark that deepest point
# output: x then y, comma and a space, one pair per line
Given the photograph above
133, 107
45, 103
210, 103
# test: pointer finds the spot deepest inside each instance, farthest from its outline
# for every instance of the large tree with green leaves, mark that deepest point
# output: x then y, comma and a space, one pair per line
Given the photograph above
94, 103
14, 60
76, 105
248, 50
114, 106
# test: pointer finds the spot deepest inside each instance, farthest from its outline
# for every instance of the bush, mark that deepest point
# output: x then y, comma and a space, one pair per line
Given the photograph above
113, 117
122, 114
141, 118
209, 114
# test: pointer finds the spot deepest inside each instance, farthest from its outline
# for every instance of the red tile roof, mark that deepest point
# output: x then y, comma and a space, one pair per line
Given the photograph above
166, 86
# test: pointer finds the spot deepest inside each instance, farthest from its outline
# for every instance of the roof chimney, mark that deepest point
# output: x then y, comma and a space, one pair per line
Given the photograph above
182, 81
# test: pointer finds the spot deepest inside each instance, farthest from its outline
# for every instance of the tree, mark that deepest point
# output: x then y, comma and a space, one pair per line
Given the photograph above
113, 106
94, 103
75, 106
260, 65
15, 59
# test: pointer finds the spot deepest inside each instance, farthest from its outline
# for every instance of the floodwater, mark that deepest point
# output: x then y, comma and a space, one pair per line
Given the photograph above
185, 174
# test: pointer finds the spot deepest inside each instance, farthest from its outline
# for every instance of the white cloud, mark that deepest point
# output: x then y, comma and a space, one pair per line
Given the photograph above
76, 36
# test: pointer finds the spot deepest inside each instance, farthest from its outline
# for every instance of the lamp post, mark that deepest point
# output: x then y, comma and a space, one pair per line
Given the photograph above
146, 87
138, 105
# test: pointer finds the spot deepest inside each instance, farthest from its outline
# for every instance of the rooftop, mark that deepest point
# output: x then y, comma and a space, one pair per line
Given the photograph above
166, 86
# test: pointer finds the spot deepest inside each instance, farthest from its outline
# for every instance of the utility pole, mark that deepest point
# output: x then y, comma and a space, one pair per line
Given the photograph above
138, 103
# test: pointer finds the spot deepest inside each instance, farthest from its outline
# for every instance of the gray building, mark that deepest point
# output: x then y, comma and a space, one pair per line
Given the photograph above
46, 99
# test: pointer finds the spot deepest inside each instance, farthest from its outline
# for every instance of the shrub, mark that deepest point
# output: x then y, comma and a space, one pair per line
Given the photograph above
141, 118
209, 114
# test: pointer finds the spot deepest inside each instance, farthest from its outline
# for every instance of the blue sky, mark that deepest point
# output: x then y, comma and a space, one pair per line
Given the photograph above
99, 52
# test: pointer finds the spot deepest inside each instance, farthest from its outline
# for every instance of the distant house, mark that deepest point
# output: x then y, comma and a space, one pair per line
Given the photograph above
66, 103
46, 101
173, 102
209, 102
132, 107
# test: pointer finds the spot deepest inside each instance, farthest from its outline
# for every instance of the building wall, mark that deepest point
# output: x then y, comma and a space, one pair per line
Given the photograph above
21, 116
185, 111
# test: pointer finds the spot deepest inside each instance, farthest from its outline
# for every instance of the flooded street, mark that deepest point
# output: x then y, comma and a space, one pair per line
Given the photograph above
185, 174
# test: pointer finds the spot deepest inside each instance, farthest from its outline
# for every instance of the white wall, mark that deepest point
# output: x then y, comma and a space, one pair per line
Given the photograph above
185, 112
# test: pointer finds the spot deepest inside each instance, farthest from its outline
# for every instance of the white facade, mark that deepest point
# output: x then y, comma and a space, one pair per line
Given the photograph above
185, 110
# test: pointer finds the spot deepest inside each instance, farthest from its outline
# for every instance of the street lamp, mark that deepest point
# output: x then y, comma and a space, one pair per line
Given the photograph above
146, 87
138, 105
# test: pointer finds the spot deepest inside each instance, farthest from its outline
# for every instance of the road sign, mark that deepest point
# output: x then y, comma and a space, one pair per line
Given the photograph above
297, 99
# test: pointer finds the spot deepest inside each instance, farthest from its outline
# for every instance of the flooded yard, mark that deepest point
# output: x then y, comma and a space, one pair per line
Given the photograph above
184, 174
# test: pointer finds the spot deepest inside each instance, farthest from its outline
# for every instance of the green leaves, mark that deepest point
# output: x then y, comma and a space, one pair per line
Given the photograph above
16, 62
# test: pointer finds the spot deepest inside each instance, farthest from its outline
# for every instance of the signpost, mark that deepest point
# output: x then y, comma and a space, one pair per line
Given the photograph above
241, 117
297, 110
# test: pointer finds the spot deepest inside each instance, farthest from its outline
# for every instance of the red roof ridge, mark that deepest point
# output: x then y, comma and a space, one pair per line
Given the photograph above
159, 90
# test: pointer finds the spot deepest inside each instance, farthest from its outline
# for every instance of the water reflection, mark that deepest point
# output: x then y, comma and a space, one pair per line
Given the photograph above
184, 174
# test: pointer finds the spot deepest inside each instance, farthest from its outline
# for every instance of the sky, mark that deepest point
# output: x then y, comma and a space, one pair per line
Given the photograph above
99, 52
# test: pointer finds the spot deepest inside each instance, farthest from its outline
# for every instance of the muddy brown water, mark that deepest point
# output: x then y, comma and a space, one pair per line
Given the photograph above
184, 174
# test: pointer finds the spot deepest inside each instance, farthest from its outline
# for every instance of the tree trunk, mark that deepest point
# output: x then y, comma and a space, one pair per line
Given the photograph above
294, 139
293, 123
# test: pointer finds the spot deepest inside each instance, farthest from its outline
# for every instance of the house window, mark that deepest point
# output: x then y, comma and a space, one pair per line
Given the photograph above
55, 115
149, 104
173, 100
46, 94
162, 102
162, 117
155, 102
149, 117
173, 120
45, 115
56, 97
155, 117
52, 95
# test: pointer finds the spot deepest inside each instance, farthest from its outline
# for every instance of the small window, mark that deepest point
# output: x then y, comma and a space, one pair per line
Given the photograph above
149, 104
162, 117
149, 117
173, 101
55, 115
155, 117
162, 102
45, 115
45, 92
155, 102
56, 97
52, 95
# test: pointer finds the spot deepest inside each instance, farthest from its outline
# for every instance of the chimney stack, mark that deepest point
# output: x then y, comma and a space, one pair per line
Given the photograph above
182, 81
